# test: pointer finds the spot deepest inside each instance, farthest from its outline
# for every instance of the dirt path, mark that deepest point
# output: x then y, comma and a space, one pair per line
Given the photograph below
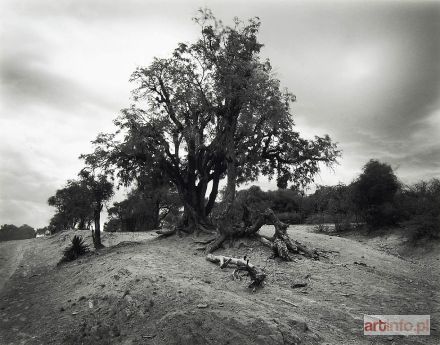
11, 254
164, 292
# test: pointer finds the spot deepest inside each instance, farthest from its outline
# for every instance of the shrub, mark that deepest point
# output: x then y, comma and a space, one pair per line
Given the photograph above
113, 225
75, 250
373, 194
424, 228
382, 215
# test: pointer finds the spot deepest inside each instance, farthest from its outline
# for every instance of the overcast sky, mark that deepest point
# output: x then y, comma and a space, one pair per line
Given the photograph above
367, 73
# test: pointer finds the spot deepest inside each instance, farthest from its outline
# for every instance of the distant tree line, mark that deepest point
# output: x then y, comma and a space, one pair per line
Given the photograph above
376, 198
10, 232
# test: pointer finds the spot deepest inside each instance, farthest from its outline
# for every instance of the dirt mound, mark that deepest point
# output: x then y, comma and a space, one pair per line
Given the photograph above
165, 292
131, 318
226, 327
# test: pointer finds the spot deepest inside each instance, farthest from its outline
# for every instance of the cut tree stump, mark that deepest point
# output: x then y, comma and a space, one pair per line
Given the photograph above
256, 274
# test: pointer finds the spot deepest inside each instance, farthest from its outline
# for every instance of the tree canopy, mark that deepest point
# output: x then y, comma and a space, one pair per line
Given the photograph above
80, 202
73, 205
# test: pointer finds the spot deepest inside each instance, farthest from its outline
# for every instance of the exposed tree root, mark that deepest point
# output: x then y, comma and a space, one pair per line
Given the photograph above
280, 243
204, 228
216, 244
204, 241
183, 227
166, 232
255, 273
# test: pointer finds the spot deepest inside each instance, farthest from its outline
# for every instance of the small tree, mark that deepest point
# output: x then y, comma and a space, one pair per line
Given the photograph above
100, 191
142, 210
72, 203
374, 192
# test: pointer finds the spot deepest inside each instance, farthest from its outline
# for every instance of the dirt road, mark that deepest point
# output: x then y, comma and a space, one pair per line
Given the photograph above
150, 291
11, 254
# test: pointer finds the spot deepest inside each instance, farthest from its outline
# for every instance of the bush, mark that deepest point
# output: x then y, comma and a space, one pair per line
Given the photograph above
382, 215
373, 194
113, 225
76, 249
424, 228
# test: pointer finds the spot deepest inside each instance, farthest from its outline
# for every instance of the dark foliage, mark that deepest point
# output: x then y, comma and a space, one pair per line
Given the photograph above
143, 209
76, 249
423, 228
80, 203
10, 232
73, 204
419, 208
329, 204
373, 194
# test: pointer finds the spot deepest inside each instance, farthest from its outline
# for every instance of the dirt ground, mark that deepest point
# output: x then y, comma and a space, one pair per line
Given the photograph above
146, 290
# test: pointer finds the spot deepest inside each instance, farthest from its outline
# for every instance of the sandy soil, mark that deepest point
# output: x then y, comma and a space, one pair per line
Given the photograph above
145, 290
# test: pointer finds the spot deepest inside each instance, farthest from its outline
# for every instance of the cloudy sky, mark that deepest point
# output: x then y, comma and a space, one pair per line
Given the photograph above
365, 72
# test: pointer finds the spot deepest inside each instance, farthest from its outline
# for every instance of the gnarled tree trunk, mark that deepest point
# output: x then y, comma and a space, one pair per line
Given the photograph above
196, 209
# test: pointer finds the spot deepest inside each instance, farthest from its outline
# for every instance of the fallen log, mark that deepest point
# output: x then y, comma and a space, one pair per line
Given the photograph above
256, 274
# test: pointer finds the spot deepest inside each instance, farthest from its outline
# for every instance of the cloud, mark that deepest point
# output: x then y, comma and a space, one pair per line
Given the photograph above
24, 190
366, 73
28, 77
372, 68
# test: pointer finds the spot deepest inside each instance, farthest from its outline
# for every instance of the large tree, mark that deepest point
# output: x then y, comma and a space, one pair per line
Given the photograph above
213, 109
80, 203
